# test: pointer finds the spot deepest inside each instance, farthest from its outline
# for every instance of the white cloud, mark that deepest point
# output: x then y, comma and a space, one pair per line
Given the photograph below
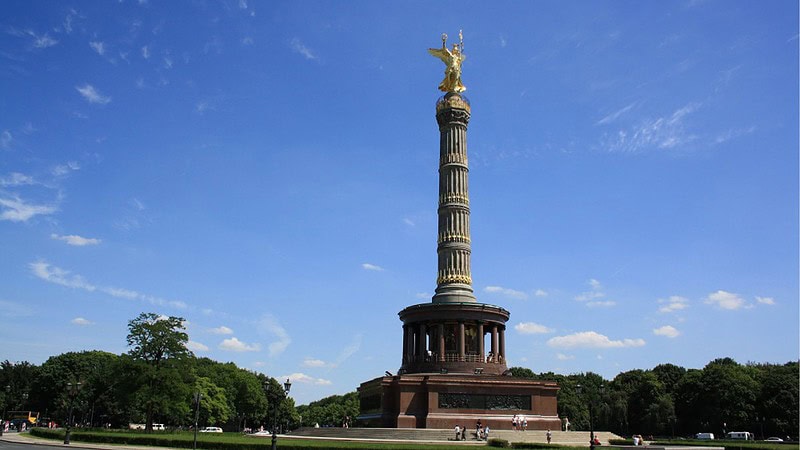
312, 362
563, 357
235, 345
368, 266
409, 222
673, 303
16, 179
299, 377
726, 300
592, 339
765, 300
247, 40
596, 292
5, 139
42, 41
603, 304
76, 240
63, 169
145, 52
243, 4
98, 46
196, 346
532, 328
222, 329
507, 292
349, 350
298, 47
540, 293
16, 210
667, 330
422, 295
56, 275
81, 321
59, 276
270, 325
660, 133
615, 115
92, 95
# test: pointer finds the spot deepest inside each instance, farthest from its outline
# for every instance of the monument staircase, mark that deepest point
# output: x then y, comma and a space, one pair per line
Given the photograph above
572, 438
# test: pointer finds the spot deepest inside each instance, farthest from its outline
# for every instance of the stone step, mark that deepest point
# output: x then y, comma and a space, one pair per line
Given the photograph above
427, 434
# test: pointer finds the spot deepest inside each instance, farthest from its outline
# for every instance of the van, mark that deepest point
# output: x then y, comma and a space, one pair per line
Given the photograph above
704, 436
740, 435
159, 427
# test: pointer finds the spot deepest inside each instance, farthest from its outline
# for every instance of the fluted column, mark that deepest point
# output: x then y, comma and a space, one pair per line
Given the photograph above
423, 338
461, 346
494, 342
480, 341
502, 350
441, 342
454, 280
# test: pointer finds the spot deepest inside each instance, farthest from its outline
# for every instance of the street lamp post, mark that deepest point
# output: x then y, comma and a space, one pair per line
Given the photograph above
5, 406
286, 386
197, 397
579, 390
72, 391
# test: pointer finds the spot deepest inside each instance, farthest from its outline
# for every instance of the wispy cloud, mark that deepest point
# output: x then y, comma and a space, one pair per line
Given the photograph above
593, 296
672, 304
373, 267
145, 52
56, 275
6, 138
14, 209
81, 321
299, 377
541, 293
63, 169
16, 179
532, 328
615, 115
222, 329
662, 133
726, 300
98, 46
235, 345
74, 239
592, 339
269, 325
92, 95
298, 47
313, 362
42, 41
507, 292
765, 300
733, 134
563, 357
667, 331
195, 346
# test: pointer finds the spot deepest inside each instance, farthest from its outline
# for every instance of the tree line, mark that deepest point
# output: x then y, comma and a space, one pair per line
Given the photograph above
670, 400
154, 382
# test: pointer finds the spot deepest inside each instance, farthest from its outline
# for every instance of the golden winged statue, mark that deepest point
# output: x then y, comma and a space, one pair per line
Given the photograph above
452, 60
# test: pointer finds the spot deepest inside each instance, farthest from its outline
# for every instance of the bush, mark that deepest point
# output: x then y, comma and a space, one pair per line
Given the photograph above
500, 443
620, 441
537, 445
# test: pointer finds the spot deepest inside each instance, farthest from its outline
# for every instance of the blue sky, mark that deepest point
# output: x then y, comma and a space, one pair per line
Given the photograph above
268, 170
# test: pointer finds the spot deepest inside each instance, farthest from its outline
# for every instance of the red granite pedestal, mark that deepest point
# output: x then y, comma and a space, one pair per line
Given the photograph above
438, 400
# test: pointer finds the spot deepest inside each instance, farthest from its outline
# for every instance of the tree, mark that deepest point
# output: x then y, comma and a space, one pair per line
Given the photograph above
158, 343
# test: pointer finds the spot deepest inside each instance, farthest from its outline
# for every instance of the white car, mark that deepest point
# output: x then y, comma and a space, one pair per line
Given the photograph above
211, 430
773, 439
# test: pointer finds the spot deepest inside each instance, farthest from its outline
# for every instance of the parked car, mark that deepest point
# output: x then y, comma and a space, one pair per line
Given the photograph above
773, 439
211, 430
704, 436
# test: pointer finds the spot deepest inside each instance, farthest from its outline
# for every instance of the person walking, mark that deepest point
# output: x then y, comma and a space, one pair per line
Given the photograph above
514, 422
549, 435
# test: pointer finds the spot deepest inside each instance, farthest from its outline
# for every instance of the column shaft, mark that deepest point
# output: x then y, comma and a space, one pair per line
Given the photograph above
461, 346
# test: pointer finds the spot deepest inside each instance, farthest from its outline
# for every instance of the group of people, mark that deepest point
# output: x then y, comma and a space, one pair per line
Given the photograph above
481, 432
519, 423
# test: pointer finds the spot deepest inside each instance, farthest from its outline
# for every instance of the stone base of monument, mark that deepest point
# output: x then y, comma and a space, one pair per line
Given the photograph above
436, 400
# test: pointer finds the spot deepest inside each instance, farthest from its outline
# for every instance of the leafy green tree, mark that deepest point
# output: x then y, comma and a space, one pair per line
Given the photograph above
158, 343
214, 408
778, 399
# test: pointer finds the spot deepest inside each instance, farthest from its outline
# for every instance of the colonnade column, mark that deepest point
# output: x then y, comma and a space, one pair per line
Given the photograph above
422, 341
502, 351
461, 347
405, 343
441, 342
494, 342
480, 342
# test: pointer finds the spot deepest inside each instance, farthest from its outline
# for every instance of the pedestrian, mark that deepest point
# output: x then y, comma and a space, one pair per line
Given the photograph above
524, 423
478, 429
486, 433
514, 422
549, 435
463, 433
458, 433
635, 440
